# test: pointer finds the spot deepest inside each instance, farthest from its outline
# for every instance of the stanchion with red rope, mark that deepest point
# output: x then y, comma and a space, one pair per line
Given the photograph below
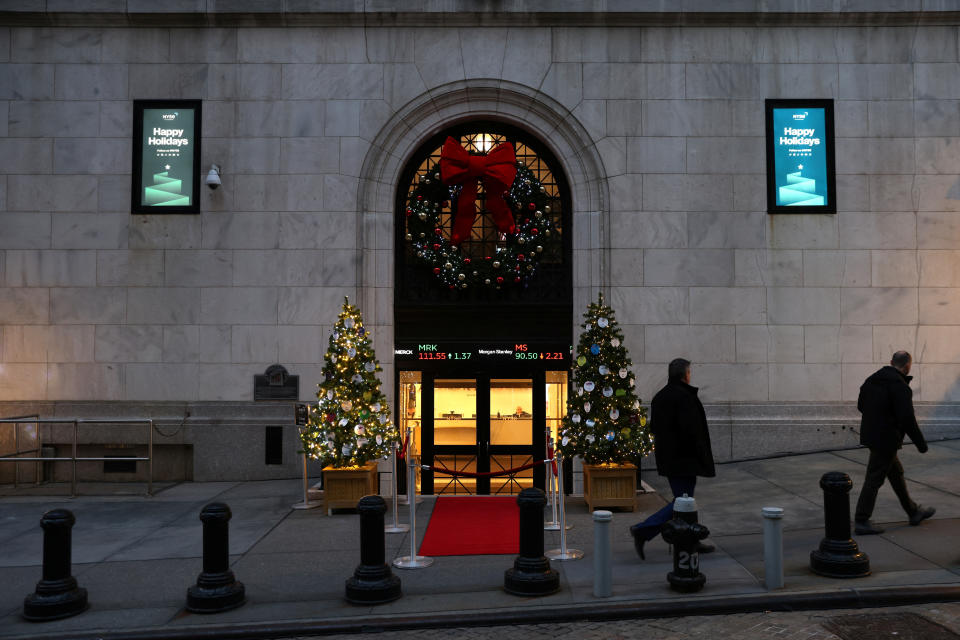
439, 468
406, 442
300, 419
396, 527
307, 502
552, 488
552, 525
511, 473
412, 561
563, 553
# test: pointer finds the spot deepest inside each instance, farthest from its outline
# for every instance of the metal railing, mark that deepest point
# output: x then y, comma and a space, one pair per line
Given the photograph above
74, 459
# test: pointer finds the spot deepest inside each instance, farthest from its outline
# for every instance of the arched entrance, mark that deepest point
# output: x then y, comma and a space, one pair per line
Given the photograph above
482, 327
404, 133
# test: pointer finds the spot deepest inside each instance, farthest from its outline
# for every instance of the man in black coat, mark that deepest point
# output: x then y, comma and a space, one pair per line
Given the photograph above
681, 445
886, 402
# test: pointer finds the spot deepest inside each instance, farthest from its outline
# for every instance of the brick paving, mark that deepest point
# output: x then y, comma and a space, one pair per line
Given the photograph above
771, 625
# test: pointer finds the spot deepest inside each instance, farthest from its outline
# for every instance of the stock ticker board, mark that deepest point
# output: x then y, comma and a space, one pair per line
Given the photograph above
484, 352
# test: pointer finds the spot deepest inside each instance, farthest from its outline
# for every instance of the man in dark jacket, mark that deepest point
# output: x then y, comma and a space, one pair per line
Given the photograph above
681, 445
886, 402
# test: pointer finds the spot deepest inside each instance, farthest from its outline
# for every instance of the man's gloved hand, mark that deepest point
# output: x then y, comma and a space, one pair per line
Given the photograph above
922, 447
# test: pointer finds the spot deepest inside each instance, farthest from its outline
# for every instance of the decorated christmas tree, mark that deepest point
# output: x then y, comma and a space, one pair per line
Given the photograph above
605, 422
350, 424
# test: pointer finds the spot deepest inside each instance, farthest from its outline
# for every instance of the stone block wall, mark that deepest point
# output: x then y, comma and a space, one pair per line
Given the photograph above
777, 312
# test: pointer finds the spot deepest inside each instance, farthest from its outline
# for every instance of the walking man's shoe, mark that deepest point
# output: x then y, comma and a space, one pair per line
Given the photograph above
639, 538
868, 528
921, 514
706, 547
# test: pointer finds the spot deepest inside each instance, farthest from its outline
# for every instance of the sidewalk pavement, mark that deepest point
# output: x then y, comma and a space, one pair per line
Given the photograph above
136, 556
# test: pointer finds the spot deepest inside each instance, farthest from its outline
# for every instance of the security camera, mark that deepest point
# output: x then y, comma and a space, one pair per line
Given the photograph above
213, 177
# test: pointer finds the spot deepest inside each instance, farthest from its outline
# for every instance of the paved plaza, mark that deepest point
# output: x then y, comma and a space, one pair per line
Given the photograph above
763, 625
136, 556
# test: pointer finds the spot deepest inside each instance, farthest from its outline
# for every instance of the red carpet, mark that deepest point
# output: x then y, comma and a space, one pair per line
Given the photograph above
473, 526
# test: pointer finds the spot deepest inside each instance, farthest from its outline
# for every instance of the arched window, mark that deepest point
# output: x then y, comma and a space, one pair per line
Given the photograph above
419, 253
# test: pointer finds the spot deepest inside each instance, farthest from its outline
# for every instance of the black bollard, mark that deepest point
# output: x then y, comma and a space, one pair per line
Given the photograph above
57, 595
373, 582
531, 574
217, 589
685, 534
838, 555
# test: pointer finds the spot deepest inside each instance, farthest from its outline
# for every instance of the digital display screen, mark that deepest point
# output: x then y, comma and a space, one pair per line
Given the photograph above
494, 352
166, 156
801, 176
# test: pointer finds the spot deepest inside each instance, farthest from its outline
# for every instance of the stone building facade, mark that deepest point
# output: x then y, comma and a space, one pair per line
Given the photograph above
313, 108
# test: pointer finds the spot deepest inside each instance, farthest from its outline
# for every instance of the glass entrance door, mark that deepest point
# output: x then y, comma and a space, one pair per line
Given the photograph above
511, 433
475, 426
457, 444
479, 424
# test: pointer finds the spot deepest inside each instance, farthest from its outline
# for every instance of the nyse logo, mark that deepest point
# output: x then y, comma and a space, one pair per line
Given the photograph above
800, 116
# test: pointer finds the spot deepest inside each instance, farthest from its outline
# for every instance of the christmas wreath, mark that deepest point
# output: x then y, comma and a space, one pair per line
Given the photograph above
516, 200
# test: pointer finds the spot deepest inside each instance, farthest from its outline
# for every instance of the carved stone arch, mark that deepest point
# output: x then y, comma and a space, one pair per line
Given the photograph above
450, 104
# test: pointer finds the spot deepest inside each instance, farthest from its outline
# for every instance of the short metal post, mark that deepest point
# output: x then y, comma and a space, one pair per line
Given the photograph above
602, 555
531, 574
217, 589
396, 527
150, 461
57, 595
73, 476
412, 561
773, 547
563, 553
373, 582
838, 556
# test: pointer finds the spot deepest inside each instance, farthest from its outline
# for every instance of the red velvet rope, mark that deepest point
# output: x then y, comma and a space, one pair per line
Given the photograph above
485, 474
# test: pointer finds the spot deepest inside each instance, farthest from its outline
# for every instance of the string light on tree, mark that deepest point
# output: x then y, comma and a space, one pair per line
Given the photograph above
350, 424
605, 422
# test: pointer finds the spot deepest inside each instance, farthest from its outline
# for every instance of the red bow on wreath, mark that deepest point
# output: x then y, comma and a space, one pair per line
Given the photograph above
497, 169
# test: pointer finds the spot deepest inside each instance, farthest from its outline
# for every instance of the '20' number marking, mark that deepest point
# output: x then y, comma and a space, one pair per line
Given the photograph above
688, 561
